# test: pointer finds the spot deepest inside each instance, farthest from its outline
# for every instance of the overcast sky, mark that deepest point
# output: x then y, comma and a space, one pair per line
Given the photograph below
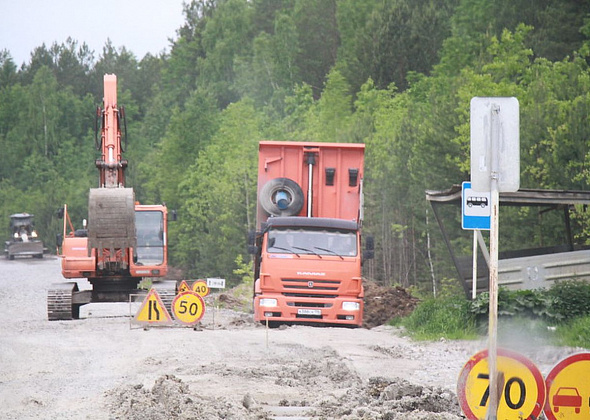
141, 26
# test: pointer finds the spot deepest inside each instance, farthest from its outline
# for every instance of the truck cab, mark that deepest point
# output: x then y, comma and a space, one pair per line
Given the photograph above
310, 271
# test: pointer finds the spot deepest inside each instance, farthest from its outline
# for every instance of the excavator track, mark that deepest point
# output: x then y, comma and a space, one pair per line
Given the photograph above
59, 302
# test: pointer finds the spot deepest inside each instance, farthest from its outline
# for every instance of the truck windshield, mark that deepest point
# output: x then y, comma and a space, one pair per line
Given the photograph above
149, 226
312, 241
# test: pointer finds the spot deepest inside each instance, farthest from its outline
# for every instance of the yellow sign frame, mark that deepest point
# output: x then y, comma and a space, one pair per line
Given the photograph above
152, 310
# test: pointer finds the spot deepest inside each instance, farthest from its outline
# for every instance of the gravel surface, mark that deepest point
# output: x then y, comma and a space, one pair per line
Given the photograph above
104, 367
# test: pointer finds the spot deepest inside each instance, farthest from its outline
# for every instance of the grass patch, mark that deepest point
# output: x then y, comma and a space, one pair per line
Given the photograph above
558, 316
449, 317
575, 333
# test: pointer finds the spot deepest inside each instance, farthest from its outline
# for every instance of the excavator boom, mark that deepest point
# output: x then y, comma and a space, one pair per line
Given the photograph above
111, 206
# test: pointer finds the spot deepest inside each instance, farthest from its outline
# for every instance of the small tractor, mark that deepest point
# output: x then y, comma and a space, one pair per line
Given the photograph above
24, 241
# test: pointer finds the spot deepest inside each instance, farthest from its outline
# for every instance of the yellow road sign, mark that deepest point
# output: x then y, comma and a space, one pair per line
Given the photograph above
521, 397
152, 310
188, 307
200, 287
568, 389
184, 287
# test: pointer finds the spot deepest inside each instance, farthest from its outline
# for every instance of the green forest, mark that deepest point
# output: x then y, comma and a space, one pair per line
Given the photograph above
396, 75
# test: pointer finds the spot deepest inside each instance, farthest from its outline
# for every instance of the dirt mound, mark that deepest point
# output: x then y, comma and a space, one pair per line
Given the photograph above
379, 398
170, 397
385, 303
393, 399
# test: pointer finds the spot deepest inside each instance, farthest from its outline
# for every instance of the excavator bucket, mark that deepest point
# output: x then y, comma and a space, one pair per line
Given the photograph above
111, 218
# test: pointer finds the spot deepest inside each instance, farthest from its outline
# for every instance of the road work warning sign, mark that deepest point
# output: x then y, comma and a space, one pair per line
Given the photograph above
153, 311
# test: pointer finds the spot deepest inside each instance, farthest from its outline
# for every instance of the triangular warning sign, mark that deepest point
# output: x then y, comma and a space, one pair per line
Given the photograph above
152, 310
184, 287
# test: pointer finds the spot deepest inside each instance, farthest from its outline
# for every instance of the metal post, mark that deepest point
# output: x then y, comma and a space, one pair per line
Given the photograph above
493, 286
474, 270
310, 163
266, 335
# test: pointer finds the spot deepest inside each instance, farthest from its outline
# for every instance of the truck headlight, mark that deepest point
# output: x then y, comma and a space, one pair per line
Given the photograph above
351, 306
268, 303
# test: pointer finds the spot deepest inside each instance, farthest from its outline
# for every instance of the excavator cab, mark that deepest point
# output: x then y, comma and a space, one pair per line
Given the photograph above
150, 254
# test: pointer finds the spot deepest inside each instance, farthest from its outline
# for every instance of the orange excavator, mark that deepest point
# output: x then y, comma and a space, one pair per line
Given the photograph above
123, 241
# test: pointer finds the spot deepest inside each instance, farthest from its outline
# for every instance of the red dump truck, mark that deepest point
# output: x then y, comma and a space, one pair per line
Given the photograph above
307, 245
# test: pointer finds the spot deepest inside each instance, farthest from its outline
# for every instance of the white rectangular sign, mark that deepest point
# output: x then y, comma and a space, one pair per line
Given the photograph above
216, 283
495, 141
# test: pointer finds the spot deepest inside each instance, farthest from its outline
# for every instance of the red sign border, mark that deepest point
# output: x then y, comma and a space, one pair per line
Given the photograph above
182, 294
204, 282
577, 357
475, 359
153, 293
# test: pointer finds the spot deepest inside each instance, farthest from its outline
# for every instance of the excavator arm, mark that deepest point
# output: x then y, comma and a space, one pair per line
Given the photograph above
111, 206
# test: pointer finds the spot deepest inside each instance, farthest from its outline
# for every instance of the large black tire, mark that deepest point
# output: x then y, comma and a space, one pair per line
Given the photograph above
269, 191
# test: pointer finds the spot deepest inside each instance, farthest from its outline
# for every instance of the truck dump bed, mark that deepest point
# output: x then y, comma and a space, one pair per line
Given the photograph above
335, 189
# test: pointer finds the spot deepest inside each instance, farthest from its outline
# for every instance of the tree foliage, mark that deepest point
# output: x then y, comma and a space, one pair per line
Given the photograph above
395, 75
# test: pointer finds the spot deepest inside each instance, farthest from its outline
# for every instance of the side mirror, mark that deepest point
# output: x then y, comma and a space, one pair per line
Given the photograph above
251, 237
59, 239
369, 252
252, 248
172, 216
60, 213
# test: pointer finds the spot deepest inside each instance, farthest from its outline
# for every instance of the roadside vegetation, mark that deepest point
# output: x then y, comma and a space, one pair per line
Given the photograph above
396, 75
559, 315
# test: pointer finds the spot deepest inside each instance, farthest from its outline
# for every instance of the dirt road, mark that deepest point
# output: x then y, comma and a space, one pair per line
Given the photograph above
102, 367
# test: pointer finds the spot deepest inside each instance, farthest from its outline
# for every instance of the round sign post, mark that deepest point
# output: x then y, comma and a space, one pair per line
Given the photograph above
200, 287
568, 389
188, 307
521, 395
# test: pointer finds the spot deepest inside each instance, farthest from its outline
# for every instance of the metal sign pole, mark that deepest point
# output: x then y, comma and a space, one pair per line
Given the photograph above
474, 272
495, 167
493, 286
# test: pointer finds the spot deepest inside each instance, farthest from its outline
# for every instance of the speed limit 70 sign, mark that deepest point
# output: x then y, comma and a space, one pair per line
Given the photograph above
522, 395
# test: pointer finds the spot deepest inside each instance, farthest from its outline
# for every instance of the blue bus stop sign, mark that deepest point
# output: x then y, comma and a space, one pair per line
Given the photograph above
475, 208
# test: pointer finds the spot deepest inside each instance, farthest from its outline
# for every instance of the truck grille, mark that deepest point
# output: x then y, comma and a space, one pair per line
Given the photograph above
310, 305
309, 284
308, 288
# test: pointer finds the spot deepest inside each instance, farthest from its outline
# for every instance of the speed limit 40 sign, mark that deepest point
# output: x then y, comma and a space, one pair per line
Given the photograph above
522, 395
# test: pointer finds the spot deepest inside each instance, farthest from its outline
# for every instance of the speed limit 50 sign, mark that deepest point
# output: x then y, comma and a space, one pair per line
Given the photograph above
188, 307
521, 397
